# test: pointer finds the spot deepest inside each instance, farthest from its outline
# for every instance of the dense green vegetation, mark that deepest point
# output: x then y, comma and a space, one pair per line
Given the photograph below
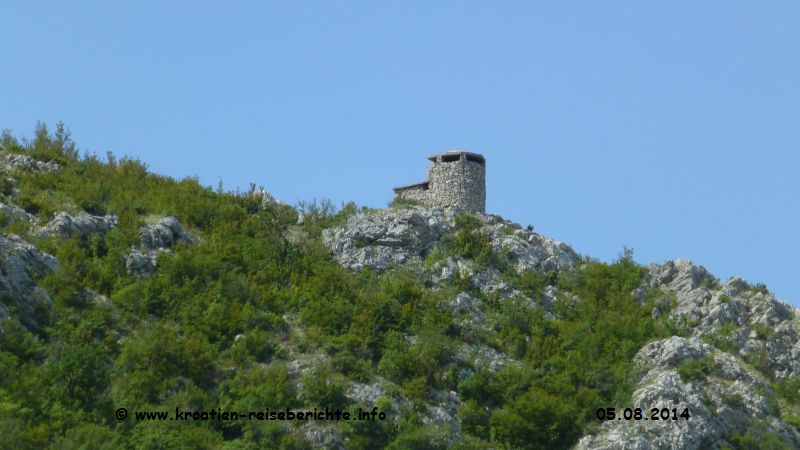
170, 340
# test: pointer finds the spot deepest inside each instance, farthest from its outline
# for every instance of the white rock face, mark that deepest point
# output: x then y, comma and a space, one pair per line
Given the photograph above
378, 240
64, 225
13, 212
165, 233
747, 320
528, 250
20, 263
10, 162
726, 401
381, 239
154, 238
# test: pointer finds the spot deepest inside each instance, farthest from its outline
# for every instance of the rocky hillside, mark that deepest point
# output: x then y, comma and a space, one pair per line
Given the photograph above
731, 341
126, 289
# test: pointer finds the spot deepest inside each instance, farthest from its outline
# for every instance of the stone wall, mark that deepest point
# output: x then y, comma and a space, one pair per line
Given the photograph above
416, 193
458, 184
455, 180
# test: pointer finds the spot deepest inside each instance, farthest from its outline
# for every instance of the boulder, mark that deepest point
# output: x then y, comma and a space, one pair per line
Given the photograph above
64, 225
10, 162
154, 238
10, 213
378, 240
381, 239
20, 264
164, 234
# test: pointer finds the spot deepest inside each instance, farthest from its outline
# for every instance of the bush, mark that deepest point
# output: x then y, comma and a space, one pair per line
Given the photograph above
696, 369
761, 288
468, 241
402, 202
763, 331
722, 338
789, 389
535, 420
758, 436
793, 421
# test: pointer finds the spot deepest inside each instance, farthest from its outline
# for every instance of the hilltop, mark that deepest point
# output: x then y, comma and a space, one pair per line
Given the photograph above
122, 288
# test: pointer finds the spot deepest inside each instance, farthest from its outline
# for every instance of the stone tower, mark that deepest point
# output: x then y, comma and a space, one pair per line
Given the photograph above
456, 179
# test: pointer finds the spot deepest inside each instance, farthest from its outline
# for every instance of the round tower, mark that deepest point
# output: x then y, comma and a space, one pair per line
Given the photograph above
457, 179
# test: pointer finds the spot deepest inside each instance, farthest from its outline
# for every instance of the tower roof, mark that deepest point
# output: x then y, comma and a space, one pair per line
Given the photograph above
421, 185
454, 155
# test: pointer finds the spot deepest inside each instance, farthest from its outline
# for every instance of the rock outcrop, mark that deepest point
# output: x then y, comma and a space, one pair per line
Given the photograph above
10, 162
64, 225
739, 335
722, 399
379, 240
154, 238
735, 316
20, 263
10, 213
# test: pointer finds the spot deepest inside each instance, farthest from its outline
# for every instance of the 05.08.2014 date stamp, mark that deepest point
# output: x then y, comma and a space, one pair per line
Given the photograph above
673, 414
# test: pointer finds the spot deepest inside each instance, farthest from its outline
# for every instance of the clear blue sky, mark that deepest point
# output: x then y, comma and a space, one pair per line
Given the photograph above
672, 128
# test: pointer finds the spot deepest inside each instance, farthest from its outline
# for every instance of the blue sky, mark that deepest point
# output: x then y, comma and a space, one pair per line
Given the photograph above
671, 128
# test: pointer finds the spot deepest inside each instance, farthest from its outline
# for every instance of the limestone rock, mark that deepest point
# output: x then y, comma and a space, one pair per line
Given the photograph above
165, 233
378, 240
482, 356
64, 225
267, 199
487, 280
323, 435
12, 212
153, 239
466, 304
528, 250
723, 403
141, 262
20, 262
10, 162
385, 238
367, 393
443, 413
751, 322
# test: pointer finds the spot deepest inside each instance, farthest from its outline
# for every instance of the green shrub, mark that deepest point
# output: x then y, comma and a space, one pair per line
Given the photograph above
402, 202
760, 288
521, 424
789, 389
722, 338
793, 421
759, 358
468, 241
758, 436
696, 369
763, 331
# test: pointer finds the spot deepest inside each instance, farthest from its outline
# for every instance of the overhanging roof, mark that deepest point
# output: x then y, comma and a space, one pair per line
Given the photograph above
472, 156
423, 185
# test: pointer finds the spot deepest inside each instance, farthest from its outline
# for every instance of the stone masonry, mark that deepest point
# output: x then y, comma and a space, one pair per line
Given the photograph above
456, 179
